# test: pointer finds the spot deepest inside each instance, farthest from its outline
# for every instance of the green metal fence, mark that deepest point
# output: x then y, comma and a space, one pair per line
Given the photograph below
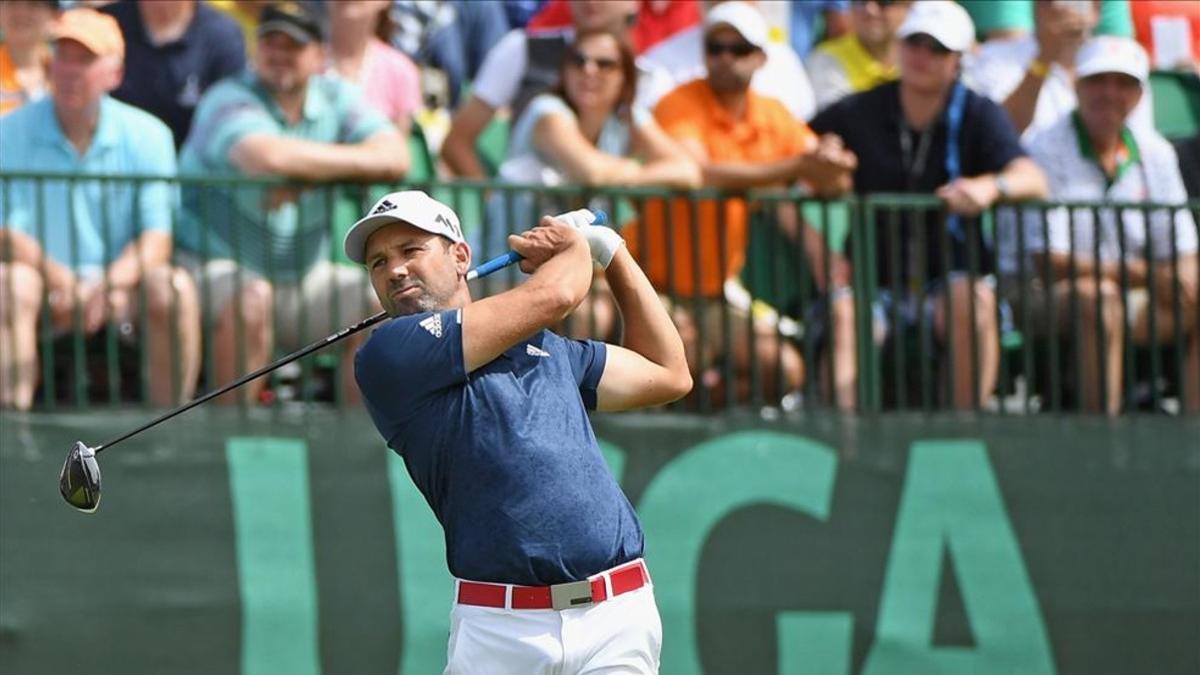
785, 302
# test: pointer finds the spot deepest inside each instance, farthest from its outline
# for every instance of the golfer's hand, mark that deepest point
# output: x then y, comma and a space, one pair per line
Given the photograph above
603, 242
550, 238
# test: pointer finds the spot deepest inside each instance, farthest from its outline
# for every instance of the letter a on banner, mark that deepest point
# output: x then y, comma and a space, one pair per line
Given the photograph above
951, 500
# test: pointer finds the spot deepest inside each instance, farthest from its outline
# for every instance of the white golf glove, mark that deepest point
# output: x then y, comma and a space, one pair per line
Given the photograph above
603, 241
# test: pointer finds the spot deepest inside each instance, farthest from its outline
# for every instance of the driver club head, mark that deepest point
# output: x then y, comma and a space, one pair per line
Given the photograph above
79, 481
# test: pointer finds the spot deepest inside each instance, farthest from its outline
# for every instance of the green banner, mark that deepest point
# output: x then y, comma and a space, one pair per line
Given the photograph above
272, 542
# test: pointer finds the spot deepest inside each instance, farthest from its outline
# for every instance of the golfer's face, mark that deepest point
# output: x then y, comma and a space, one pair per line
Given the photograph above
412, 270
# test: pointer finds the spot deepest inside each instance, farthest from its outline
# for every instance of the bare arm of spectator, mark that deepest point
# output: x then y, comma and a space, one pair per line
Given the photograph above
559, 137
382, 156
458, 150
794, 226
971, 196
1022, 102
826, 168
1060, 32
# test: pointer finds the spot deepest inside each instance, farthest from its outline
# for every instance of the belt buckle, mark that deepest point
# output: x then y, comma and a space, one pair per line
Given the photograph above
568, 596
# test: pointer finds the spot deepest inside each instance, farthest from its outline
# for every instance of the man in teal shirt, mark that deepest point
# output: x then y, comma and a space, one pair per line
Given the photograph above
94, 249
261, 251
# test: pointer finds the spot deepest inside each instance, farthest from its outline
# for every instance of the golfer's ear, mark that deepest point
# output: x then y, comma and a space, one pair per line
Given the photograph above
462, 258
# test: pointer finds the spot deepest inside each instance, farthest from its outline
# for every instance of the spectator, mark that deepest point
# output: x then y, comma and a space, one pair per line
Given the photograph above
519, 67
862, 59
585, 132
1094, 154
805, 15
177, 50
900, 133
452, 37
25, 51
1033, 76
673, 63
388, 78
282, 119
741, 140
101, 254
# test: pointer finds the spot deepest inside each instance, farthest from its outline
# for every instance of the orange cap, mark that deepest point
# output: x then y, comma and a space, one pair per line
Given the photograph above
97, 31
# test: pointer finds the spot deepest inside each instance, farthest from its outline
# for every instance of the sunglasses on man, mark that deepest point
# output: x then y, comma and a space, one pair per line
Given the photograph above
924, 41
742, 49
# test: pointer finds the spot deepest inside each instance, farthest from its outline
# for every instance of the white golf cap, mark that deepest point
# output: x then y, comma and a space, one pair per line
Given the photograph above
1112, 54
742, 17
943, 20
410, 206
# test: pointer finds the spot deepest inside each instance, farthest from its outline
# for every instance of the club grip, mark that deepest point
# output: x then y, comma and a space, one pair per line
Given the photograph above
502, 261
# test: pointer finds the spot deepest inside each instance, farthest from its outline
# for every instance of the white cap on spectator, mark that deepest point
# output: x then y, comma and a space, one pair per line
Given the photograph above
410, 206
943, 20
742, 17
1112, 54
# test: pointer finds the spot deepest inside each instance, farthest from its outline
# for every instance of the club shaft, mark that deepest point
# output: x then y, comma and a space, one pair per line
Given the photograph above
493, 265
298, 354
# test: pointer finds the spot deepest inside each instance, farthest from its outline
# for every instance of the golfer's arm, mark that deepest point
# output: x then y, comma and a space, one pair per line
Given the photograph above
650, 369
493, 324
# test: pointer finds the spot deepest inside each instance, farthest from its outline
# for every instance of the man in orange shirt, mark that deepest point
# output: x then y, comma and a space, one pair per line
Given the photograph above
741, 140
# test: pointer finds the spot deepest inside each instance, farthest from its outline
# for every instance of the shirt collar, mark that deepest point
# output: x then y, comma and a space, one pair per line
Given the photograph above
1127, 154
315, 103
754, 113
107, 132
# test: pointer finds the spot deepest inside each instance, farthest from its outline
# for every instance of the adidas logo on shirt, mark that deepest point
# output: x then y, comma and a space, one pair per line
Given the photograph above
433, 324
534, 351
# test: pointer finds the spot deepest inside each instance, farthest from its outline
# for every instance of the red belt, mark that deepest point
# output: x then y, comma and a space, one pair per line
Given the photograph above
621, 579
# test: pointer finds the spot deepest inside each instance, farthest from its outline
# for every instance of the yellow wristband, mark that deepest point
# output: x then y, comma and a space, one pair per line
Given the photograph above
1039, 68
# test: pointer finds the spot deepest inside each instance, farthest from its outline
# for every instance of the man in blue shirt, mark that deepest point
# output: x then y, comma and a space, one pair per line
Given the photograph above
901, 133
488, 409
97, 248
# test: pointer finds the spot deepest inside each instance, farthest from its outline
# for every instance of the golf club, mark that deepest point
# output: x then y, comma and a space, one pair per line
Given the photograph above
79, 480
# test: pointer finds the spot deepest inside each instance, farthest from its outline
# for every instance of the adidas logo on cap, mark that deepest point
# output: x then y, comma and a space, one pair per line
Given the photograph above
383, 206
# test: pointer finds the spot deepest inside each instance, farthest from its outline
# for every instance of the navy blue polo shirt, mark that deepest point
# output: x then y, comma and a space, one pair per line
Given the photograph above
505, 455
167, 80
871, 124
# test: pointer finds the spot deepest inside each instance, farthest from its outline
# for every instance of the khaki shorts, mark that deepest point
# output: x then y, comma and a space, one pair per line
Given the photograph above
328, 298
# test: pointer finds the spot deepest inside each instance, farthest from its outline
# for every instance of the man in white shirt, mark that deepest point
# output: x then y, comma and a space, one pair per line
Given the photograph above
1033, 76
1094, 154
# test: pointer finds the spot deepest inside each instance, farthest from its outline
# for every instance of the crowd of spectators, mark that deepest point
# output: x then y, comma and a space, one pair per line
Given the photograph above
981, 104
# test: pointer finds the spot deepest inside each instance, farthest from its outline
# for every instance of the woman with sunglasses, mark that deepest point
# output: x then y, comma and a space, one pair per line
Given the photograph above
586, 131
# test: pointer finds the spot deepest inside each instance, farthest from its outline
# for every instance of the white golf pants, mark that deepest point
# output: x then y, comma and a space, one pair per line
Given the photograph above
619, 635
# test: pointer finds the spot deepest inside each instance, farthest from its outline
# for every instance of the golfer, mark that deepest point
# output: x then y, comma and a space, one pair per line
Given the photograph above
488, 408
